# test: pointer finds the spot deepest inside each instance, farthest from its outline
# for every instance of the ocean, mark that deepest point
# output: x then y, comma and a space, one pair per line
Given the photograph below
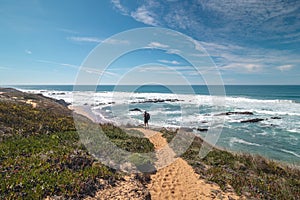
262, 120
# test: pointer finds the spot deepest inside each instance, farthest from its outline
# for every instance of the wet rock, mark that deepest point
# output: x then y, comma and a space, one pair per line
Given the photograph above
275, 117
252, 120
136, 109
202, 129
236, 113
157, 101
62, 102
185, 129
58, 93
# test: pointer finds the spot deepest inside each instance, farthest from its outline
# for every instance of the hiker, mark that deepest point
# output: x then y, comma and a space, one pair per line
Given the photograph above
146, 119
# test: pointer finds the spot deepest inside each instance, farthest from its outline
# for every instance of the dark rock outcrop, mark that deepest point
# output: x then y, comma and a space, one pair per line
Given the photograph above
62, 102
136, 109
157, 101
202, 129
252, 120
275, 117
236, 113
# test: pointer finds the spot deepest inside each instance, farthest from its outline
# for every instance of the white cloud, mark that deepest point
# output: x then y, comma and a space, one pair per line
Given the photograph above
119, 6
57, 63
243, 67
98, 72
69, 65
225, 28
144, 15
205, 19
85, 39
213, 47
98, 40
154, 69
157, 45
116, 42
174, 51
28, 51
285, 67
86, 69
173, 62
253, 13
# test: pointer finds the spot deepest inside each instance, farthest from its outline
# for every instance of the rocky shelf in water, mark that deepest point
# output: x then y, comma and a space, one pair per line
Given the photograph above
235, 113
136, 109
257, 120
157, 101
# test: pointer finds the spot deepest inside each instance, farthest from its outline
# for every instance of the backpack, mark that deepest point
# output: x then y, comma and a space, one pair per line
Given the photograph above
147, 116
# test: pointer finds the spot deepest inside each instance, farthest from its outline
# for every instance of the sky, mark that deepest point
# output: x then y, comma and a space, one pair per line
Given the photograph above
248, 42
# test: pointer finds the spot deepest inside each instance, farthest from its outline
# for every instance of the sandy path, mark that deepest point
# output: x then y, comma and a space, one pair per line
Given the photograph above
83, 110
178, 179
30, 101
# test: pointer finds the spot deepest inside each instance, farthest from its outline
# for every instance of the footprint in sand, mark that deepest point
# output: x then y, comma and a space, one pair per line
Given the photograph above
178, 179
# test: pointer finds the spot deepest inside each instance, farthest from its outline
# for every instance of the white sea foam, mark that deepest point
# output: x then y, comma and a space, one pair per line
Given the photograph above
190, 104
191, 110
294, 130
290, 152
241, 141
262, 133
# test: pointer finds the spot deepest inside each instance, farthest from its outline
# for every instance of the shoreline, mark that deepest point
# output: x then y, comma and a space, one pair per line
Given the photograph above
160, 185
264, 129
85, 111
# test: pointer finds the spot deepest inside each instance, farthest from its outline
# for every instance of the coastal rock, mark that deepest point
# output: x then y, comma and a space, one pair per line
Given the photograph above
58, 93
202, 129
186, 129
136, 109
275, 117
252, 120
62, 102
157, 101
236, 113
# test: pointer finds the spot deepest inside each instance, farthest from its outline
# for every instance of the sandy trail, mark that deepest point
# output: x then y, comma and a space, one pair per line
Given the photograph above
85, 111
30, 101
178, 179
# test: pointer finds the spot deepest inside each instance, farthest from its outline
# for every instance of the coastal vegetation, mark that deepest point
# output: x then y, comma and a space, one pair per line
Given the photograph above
252, 176
41, 154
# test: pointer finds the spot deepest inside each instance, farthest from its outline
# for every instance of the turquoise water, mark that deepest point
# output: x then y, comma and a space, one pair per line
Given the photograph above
277, 136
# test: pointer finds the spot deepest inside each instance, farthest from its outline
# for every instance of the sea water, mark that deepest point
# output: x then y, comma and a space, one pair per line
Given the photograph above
277, 136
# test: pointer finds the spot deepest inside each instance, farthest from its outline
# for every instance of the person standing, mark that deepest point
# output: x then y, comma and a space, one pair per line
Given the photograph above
146, 119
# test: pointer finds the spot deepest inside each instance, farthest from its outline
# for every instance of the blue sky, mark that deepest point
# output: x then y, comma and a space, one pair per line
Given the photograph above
251, 42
